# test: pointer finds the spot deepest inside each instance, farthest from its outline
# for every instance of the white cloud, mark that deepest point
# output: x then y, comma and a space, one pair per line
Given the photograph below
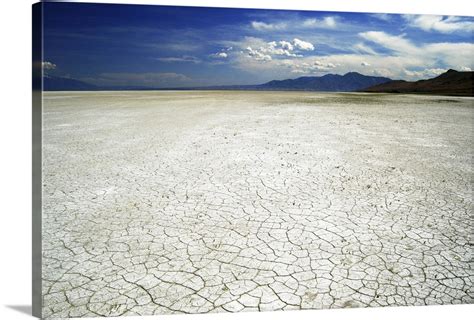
317, 65
219, 55
391, 66
363, 48
262, 26
310, 23
395, 43
179, 59
464, 68
303, 45
286, 45
327, 65
304, 66
257, 55
48, 65
330, 22
326, 22
453, 54
266, 51
309, 66
426, 73
380, 54
282, 48
443, 24
388, 66
382, 16
223, 54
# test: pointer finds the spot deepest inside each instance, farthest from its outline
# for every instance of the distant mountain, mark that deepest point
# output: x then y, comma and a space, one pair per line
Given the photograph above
68, 84
351, 81
451, 82
65, 84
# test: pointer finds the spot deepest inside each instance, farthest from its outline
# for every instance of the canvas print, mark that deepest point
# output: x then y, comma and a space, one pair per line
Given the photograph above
200, 160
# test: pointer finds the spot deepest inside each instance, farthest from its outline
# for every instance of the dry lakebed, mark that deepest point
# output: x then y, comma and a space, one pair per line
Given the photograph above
206, 201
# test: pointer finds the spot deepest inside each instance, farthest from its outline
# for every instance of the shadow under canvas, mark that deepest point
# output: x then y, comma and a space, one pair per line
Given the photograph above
25, 309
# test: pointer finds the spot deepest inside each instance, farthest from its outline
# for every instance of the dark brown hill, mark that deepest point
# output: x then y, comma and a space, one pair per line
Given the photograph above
452, 83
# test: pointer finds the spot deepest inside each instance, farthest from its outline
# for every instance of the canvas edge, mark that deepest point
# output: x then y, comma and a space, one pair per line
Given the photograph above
37, 97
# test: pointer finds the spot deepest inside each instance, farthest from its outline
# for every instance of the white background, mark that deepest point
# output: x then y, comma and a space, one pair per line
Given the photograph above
15, 155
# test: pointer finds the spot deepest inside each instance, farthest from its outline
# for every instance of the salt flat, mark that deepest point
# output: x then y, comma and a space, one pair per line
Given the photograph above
167, 202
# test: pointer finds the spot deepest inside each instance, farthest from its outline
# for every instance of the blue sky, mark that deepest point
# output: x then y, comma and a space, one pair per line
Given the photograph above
160, 46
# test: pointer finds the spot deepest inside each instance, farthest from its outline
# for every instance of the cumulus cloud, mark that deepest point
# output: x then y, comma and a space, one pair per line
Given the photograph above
223, 54
257, 55
464, 68
179, 59
266, 51
286, 45
281, 48
365, 64
303, 45
219, 55
48, 65
443, 24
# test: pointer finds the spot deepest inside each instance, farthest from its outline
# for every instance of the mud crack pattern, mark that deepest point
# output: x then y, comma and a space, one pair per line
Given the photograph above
195, 202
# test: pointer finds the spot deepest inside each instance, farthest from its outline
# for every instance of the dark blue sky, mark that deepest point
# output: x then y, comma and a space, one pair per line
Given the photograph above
162, 46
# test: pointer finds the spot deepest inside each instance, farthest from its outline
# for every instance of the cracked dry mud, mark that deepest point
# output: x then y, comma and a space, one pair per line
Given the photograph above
170, 202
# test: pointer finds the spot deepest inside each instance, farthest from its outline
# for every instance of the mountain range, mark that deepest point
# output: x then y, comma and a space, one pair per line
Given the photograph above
351, 81
450, 83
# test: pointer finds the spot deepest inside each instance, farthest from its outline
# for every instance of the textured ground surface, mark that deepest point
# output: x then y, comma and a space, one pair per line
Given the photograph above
162, 202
